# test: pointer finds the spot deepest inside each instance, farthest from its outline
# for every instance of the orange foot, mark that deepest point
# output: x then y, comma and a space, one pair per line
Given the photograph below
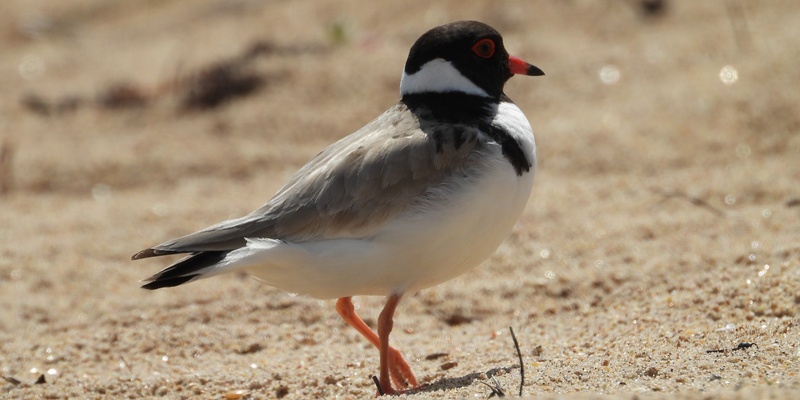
390, 391
401, 373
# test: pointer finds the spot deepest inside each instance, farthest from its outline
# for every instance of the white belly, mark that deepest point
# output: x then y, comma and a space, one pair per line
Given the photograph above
412, 252
445, 243
417, 250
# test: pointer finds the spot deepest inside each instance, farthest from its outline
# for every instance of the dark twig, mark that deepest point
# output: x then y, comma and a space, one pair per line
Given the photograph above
519, 355
12, 380
496, 389
378, 384
741, 346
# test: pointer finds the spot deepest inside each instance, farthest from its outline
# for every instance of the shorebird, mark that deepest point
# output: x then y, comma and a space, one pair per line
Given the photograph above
420, 195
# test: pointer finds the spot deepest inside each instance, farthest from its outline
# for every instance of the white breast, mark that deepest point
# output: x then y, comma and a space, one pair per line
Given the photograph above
419, 249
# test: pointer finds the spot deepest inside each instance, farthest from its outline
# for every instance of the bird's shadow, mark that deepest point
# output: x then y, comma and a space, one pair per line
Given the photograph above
459, 382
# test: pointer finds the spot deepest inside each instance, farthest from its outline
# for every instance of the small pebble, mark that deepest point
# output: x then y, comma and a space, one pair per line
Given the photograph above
235, 394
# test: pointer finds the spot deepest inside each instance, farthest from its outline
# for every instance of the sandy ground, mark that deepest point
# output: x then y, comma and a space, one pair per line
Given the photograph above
664, 223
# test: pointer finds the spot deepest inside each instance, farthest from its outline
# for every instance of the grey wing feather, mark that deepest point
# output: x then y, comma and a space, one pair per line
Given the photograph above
350, 189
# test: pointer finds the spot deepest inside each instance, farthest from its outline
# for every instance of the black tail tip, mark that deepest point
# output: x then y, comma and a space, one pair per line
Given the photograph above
159, 283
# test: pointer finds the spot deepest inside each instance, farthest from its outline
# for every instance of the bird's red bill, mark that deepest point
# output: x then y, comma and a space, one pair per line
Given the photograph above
519, 67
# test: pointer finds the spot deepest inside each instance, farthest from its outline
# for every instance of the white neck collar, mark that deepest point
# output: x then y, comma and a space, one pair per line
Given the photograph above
438, 76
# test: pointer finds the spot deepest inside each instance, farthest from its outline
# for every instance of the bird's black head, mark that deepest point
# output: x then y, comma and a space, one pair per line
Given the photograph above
464, 56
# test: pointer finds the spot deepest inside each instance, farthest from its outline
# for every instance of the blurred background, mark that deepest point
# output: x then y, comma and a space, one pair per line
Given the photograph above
667, 183
161, 90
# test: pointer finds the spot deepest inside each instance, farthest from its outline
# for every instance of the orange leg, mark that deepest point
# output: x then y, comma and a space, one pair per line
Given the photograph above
393, 366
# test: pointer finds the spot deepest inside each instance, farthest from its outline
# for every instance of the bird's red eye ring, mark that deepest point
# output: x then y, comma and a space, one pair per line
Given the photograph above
484, 48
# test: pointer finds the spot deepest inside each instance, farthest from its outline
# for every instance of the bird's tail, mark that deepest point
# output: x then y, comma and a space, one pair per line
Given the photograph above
188, 269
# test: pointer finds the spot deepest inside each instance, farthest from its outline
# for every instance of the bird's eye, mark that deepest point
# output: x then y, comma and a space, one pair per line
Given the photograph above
484, 48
